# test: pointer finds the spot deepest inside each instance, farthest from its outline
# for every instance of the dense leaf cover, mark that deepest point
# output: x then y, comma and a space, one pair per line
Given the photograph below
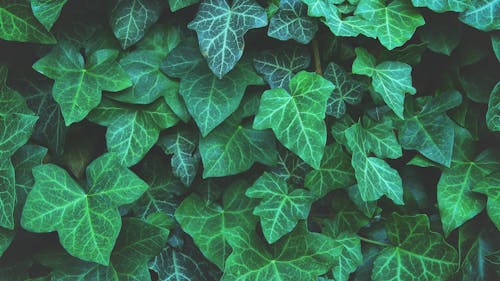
273, 140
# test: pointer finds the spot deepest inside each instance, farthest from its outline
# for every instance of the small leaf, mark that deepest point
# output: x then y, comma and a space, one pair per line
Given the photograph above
291, 22
47, 12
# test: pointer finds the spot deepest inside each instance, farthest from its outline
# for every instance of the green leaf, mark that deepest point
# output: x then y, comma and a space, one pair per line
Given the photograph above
374, 176
297, 117
132, 131
221, 27
441, 6
348, 90
291, 22
87, 221
441, 37
300, 256
278, 67
17, 23
335, 172
350, 26
495, 44
390, 79
130, 19
211, 224
209, 100
185, 160
233, 148
483, 15
280, 209
176, 5
78, 85
416, 253
493, 113
6, 238
24, 160
47, 11
7, 199
490, 186
393, 24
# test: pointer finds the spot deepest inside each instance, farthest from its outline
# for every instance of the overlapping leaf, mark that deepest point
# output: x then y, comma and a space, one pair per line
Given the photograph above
482, 14
47, 12
291, 22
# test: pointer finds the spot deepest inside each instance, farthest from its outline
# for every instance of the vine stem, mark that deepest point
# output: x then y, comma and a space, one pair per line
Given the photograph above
317, 58
373, 242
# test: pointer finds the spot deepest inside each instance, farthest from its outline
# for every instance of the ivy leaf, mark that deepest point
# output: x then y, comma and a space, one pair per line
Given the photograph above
330, 13
7, 201
456, 201
394, 24
291, 22
297, 117
78, 85
185, 160
348, 90
211, 224
130, 19
374, 176
335, 172
441, 6
19, 24
495, 44
277, 67
493, 113
390, 79
209, 100
87, 221
233, 148
415, 252
221, 27
279, 209
47, 12
483, 15
441, 37
24, 160
176, 5
490, 186
300, 256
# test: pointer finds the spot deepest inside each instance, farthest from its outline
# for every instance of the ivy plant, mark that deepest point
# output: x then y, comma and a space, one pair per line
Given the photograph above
250, 140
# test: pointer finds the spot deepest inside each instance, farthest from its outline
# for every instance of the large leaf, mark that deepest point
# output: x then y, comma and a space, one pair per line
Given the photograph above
483, 15
297, 117
78, 85
17, 23
394, 24
416, 253
47, 12
87, 221
291, 22
280, 209
221, 27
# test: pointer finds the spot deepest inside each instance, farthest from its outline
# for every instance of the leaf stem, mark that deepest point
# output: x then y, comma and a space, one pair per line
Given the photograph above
317, 58
373, 242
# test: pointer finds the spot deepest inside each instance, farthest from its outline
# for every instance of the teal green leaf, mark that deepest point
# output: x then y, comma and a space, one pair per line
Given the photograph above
350, 26
441, 6
78, 85
456, 201
6, 238
349, 90
381, 139
490, 186
185, 160
290, 167
17, 23
415, 252
162, 38
24, 160
47, 11
87, 221
390, 79
351, 257
130, 19
393, 24
300, 256
233, 148
280, 209
132, 131
483, 15
292, 22
277, 67
221, 27
297, 117
335, 172
176, 5
7, 198
209, 100
495, 43
430, 131
348, 218
493, 113
211, 224
374, 176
